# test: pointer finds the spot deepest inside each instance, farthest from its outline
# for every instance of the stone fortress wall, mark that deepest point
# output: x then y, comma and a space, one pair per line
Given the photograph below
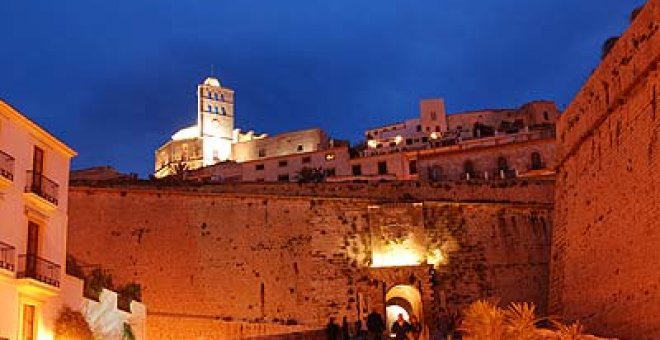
606, 261
215, 263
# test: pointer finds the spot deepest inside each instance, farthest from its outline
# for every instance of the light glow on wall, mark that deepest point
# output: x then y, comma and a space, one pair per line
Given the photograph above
404, 253
436, 257
44, 334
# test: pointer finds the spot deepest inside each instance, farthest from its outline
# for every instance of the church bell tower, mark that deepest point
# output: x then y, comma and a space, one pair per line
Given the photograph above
215, 120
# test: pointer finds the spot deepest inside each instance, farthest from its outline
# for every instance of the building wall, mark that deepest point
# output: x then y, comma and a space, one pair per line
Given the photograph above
484, 157
605, 268
334, 160
483, 152
257, 259
396, 165
432, 115
533, 113
280, 145
47, 287
435, 128
180, 152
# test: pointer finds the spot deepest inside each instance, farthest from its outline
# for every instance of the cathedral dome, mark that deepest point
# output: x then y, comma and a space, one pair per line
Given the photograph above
211, 81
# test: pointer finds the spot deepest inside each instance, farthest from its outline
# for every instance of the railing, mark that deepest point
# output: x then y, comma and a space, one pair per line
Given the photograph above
35, 267
6, 166
7, 256
42, 186
486, 176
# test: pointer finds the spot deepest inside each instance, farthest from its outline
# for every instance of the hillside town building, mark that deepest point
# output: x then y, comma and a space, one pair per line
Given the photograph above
214, 139
430, 215
436, 146
34, 284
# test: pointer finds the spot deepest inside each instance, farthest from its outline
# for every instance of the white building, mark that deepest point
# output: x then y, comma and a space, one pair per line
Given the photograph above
214, 139
34, 287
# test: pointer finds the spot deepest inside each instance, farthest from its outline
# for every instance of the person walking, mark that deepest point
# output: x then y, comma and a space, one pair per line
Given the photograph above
332, 330
375, 326
345, 334
415, 327
400, 328
359, 332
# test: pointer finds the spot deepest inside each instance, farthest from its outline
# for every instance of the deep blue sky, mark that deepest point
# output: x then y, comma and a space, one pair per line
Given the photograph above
114, 79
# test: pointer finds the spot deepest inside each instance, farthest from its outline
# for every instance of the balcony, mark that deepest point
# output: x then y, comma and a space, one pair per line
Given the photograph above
6, 169
41, 191
40, 269
7, 253
38, 276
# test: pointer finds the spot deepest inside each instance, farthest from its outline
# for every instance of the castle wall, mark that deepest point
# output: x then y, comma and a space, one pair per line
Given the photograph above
605, 269
207, 260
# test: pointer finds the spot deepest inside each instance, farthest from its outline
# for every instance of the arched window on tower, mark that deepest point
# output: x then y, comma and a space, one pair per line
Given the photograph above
209, 107
215, 96
537, 161
222, 97
224, 113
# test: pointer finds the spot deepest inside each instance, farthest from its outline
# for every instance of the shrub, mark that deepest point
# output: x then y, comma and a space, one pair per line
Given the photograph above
521, 321
71, 325
484, 321
574, 331
94, 284
127, 332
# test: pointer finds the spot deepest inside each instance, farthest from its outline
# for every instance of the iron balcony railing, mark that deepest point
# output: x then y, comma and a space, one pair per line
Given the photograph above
7, 253
43, 186
35, 267
6, 166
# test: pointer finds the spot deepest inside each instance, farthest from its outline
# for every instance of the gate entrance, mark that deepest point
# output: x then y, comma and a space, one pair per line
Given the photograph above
402, 299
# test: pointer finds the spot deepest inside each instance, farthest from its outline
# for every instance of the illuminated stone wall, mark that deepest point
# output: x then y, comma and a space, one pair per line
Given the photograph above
485, 155
209, 258
605, 268
280, 145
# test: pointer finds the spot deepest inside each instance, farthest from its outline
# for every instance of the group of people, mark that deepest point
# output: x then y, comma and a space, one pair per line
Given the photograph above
375, 330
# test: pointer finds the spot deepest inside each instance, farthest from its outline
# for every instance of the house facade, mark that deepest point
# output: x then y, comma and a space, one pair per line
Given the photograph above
34, 286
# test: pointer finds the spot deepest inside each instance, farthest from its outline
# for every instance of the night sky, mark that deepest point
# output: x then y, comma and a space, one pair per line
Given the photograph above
115, 79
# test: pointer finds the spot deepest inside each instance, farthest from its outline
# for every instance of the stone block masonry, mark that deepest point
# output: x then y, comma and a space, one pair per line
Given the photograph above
605, 257
221, 264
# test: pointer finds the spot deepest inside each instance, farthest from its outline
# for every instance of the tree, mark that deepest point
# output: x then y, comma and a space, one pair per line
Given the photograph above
71, 325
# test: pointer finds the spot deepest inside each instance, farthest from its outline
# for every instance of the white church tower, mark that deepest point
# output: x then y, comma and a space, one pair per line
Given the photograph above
215, 120
206, 143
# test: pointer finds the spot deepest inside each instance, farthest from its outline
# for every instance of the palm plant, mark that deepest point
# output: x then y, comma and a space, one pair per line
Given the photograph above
574, 331
484, 321
521, 321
